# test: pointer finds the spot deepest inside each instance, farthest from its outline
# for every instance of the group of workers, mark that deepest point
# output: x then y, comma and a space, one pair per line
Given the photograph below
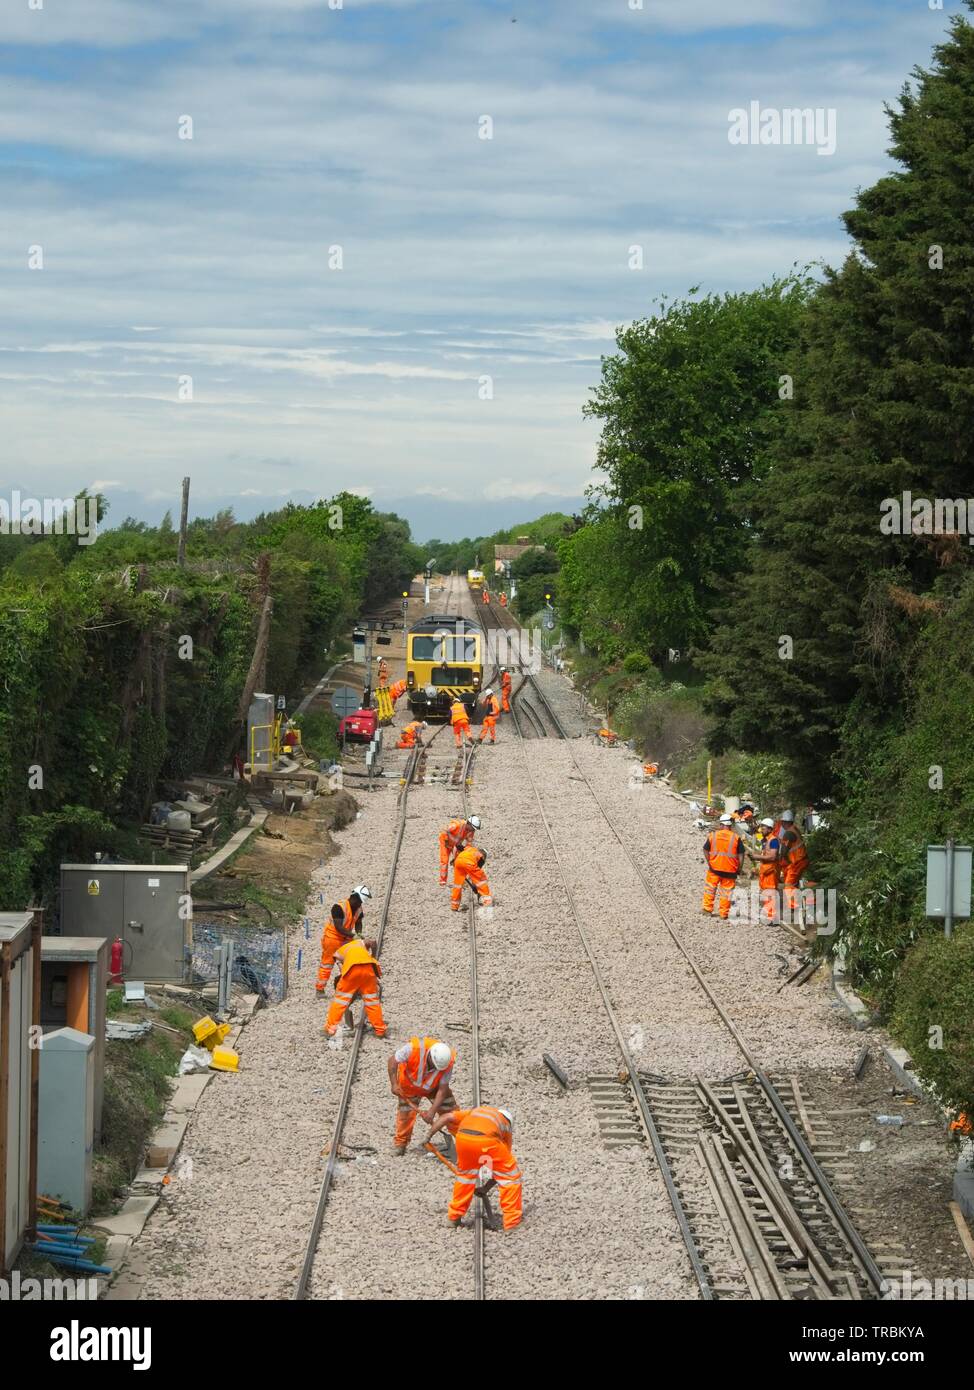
412, 733
781, 859
421, 1071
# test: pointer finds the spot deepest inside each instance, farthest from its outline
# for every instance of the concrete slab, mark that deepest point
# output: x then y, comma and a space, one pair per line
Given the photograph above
116, 1250
130, 1220
169, 1134
186, 1093
150, 1177
901, 1064
964, 1193
855, 1007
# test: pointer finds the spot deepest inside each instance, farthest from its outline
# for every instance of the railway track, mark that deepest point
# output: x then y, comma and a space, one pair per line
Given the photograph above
413, 775
753, 1202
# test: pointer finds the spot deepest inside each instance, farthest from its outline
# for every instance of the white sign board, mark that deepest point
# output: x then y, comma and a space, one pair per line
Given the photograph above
937, 881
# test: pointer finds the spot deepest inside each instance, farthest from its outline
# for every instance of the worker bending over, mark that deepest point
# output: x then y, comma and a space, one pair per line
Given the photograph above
468, 867
457, 835
768, 869
792, 857
359, 973
492, 707
412, 734
346, 921
396, 689
724, 851
483, 1138
420, 1070
506, 684
460, 720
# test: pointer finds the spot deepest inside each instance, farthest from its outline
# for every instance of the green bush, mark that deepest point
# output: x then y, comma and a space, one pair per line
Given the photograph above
933, 1014
637, 663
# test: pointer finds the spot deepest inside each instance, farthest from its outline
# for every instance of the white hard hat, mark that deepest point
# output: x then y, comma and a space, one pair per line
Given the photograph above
768, 822
440, 1055
362, 891
488, 691
788, 815
726, 819
474, 821
424, 725
508, 1113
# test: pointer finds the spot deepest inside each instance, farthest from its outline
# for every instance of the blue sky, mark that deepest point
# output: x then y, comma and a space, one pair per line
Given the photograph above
462, 258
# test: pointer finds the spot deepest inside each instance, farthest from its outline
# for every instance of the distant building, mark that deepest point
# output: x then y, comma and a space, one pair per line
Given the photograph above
507, 554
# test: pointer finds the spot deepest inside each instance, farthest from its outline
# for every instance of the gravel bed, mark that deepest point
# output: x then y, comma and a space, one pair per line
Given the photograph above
237, 1227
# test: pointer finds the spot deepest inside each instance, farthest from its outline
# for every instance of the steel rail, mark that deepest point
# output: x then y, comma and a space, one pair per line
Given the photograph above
868, 1265
645, 1112
341, 1115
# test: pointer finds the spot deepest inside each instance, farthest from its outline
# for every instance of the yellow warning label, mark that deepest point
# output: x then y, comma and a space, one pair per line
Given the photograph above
93, 887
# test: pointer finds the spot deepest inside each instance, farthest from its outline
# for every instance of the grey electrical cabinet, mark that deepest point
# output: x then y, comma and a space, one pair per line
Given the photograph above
66, 1117
148, 905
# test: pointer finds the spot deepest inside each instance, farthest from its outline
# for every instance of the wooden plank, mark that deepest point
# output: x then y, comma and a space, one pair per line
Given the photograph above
962, 1229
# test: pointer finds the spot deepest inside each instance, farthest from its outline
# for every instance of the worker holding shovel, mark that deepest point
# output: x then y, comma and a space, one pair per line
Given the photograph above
485, 1159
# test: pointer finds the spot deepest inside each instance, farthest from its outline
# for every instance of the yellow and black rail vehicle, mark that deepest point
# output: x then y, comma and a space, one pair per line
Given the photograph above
444, 660
475, 579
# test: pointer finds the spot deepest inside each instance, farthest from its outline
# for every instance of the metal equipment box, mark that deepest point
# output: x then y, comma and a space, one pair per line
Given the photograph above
148, 905
65, 1127
20, 999
74, 985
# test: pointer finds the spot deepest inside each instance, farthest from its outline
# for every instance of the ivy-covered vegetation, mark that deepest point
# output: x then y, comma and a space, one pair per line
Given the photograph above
119, 667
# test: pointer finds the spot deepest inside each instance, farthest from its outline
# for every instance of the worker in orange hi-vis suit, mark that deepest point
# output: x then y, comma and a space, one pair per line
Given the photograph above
725, 854
769, 870
420, 1070
383, 672
506, 684
484, 1138
468, 867
489, 724
457, 835
460, 720
792, 856
359, 973
411, 734
346, 921
396, 689
503, 600
486, 596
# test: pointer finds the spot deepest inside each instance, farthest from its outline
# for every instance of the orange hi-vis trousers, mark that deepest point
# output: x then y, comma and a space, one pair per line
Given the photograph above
479, 880
791, 880
447, 846
506, 699
489, 726
330, 942
461, 731
768, 884
406, 1114
358, 979
724, 883
472, 1151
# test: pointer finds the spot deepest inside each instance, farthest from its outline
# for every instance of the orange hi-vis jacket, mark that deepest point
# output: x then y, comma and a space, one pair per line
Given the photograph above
355, 953
725, 853
413, 1075
506, 681
469, 859
485, 1122
458, 713
457, 832
792, 851
493, 705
